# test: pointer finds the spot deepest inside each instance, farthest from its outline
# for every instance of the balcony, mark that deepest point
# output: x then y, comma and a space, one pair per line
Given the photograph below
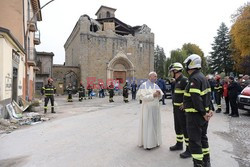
31, 22
37, 40
31, 57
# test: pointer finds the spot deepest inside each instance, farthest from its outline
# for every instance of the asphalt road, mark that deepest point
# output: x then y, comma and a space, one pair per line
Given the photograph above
95, 133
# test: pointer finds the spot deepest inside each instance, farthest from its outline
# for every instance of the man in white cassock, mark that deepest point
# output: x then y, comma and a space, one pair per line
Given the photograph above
149, 117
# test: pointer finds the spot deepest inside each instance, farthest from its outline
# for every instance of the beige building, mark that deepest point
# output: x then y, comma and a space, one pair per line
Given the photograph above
12, 68
19, 35
106, 48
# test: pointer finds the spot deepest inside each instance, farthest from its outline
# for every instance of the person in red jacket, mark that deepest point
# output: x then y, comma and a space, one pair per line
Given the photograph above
225, 93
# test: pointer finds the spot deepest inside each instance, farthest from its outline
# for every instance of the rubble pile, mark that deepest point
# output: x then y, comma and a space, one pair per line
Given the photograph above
18, 117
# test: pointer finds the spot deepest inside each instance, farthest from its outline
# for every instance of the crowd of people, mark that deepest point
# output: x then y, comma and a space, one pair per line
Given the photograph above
228, 89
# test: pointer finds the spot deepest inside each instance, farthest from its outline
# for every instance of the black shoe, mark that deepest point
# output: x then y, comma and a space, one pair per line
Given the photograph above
226, 113
206, 160
235, 115
164, 104
198, 163
230, 115
177, 146
53, 112
186, 154
218, 111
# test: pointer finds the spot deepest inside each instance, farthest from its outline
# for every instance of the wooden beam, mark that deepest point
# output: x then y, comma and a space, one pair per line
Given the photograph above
124, 32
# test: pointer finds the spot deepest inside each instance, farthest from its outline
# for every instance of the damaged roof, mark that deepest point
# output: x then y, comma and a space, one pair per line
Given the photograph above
120, 27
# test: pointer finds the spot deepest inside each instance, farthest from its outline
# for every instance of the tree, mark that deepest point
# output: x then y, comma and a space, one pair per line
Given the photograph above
220, 59
175, 56
159, 61
190, 48
240, 33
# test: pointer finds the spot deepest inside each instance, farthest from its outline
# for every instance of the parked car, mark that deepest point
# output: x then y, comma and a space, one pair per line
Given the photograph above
244, 99
168, 93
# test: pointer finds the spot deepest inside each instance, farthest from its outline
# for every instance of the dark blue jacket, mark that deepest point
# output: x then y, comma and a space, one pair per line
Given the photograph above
161, 84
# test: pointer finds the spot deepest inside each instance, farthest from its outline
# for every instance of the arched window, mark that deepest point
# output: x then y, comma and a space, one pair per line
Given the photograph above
108, 14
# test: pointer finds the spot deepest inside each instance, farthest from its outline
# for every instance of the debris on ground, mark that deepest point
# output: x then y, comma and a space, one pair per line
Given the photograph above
18, 117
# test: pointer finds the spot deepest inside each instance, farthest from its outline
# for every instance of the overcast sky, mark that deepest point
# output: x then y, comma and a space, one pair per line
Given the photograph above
174, 22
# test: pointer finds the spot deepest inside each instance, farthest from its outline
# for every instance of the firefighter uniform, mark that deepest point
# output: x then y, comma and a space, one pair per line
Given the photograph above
111, 93
70, 91
218, 93
197, 102
125, 93
81, 91
179, 115
197, 105
48, 90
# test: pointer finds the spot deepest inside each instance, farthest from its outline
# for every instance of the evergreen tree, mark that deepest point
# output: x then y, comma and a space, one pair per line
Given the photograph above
220, 59
159, 61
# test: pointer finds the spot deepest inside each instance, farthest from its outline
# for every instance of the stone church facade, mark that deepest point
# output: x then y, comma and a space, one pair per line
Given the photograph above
106, 48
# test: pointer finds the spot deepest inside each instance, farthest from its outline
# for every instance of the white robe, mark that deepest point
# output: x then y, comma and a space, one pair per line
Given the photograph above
149, 117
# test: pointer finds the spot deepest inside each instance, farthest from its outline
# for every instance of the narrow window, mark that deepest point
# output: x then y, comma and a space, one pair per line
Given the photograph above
108, 14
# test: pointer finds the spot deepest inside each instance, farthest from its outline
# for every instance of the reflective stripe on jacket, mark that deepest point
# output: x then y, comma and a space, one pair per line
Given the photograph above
197, 96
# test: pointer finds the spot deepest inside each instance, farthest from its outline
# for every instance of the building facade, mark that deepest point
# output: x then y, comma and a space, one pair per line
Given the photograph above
106, 48
44, 61
63, 75
19, 35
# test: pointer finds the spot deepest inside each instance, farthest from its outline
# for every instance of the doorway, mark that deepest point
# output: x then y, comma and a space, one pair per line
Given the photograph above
120, 75
14, 84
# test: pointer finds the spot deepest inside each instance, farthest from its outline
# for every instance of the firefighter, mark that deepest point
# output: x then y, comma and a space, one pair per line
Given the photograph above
175, 70
125, 92
70, 91
89, 87
111, 92
198, 108
81, 91
49, 90
218, 93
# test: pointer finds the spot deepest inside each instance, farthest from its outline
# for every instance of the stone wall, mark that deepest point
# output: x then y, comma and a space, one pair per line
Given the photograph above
94, 50
59, 72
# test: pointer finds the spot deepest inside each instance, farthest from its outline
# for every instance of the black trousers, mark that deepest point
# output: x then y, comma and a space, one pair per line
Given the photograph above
46, 101
111, 94
125, 96
218, 99
70, 98
234, 105
81, 95
197, 132
133, 95
227, 104
180, 125
163, 99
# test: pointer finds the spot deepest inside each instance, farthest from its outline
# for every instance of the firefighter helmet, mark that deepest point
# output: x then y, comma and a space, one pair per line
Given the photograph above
176, 66
192, 62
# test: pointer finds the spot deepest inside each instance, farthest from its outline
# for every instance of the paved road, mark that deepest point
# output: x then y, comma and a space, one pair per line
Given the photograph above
95, 133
